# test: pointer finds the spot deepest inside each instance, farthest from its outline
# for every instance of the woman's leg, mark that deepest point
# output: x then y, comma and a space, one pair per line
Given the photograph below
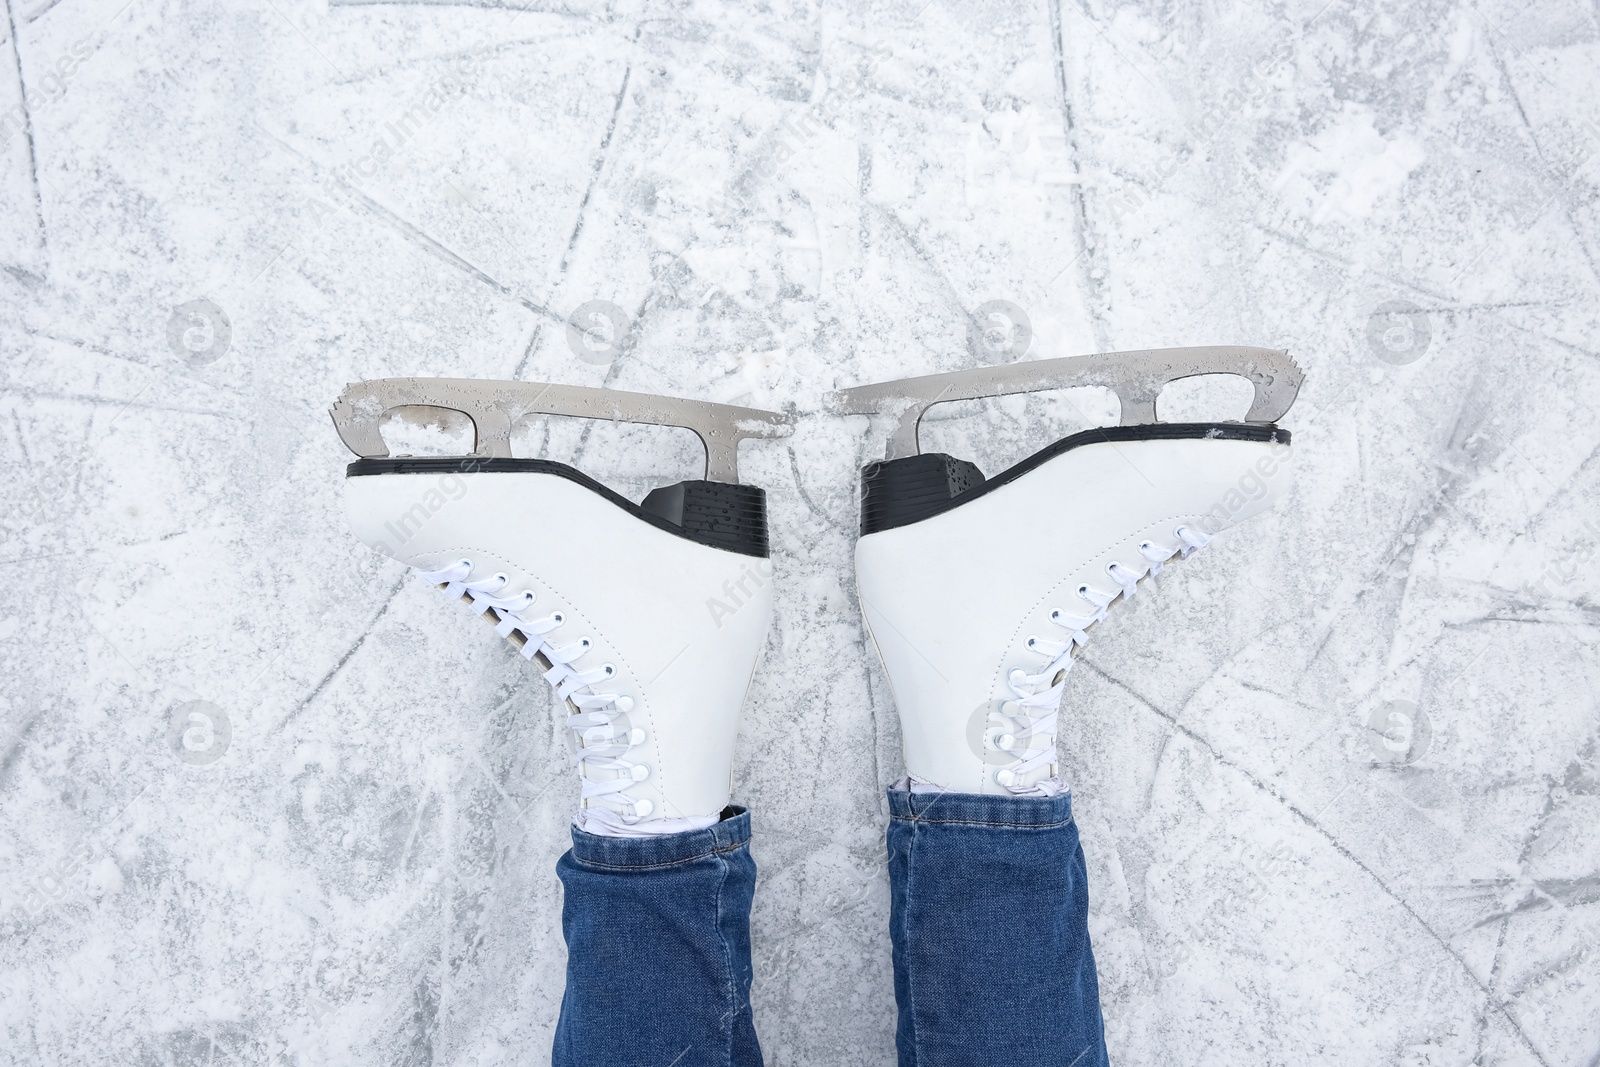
989, 924
978, 596
658, 949
647, 622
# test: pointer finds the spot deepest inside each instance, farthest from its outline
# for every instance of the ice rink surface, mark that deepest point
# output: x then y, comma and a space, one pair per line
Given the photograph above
268, 800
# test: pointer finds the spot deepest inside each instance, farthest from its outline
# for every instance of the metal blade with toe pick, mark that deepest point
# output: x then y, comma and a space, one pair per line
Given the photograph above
495, 406
1136, 377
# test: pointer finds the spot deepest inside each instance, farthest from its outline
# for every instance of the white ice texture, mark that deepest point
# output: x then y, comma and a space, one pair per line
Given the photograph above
267, 800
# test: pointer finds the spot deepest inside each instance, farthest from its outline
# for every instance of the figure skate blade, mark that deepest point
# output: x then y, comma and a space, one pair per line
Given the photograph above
1137, 377
495, 406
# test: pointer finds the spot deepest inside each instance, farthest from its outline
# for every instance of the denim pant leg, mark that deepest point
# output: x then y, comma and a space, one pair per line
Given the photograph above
989, 924
658, 949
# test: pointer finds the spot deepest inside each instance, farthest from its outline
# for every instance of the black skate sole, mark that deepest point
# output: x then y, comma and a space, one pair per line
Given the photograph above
717, 514
899, 492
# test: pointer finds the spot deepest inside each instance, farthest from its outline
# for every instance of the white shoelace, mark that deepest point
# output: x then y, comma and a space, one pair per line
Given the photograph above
1040, 693
600, 741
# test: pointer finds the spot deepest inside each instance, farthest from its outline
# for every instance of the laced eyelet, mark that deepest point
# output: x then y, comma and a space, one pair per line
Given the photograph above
1083, 591
597, 730
1146, 544
1032, 641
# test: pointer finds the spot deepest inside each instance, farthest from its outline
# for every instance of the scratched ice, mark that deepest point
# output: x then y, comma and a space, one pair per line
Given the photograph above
267, 801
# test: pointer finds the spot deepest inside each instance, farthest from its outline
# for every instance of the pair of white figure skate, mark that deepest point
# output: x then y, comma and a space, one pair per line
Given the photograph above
648, 618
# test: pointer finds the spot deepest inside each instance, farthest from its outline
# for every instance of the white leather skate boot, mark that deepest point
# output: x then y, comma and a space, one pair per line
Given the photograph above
646, 618
977, 593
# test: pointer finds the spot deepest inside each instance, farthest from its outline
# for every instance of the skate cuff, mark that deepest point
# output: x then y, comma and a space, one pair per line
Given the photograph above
974, 809
598, 850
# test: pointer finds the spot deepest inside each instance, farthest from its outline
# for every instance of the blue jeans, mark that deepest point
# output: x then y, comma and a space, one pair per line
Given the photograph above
988, 922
